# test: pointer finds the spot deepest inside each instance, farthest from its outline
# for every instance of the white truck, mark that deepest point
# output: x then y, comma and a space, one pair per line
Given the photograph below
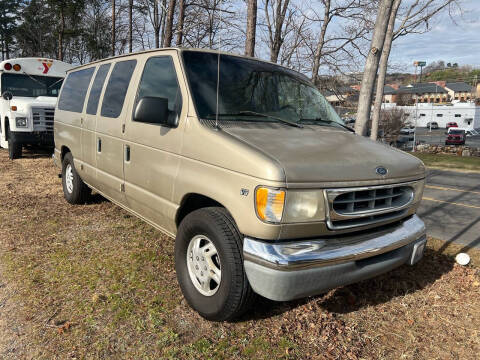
29, 90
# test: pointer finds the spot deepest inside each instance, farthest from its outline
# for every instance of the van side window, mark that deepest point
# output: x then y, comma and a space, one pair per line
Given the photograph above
117, 87
159, 79
96, 89
74, 90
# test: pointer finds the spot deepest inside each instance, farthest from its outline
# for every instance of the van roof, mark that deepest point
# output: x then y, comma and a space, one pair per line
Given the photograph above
180, 49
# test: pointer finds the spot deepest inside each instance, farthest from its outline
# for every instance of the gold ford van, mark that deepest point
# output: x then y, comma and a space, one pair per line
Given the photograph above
247, 165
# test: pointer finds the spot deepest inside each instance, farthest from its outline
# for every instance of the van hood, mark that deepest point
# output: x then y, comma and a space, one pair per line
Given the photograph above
321, 154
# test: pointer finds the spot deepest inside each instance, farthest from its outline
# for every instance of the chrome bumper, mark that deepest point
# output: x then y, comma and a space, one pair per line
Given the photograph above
289, 270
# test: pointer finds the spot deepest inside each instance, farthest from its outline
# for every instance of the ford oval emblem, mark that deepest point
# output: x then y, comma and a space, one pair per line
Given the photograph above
381, 171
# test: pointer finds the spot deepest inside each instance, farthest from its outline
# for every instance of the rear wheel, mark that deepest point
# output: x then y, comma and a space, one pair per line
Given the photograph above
209, 265
74, 189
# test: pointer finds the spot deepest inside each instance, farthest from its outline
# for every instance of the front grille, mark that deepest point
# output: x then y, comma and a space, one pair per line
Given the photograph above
352, 207
355, 202
43, 119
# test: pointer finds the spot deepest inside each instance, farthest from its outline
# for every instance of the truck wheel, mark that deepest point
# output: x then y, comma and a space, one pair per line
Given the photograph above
14, 149
209, 265
74, 189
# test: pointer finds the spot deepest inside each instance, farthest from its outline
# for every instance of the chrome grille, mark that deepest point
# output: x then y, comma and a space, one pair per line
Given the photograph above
352, 207
43, 119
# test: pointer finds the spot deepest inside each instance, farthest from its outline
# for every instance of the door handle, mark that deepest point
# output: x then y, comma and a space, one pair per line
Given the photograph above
127, 153
99, 145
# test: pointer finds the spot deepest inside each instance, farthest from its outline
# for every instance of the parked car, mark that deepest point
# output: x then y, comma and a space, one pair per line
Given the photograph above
468, 132
349, 122
249, 186
455, 137
407, 131
432, 125
451, 124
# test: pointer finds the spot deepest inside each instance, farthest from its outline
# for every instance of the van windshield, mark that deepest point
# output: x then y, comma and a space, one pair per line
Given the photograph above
31, 85
251, 90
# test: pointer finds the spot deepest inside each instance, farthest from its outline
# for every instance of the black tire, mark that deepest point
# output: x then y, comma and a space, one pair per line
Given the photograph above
79, 191
14, 148
234, 295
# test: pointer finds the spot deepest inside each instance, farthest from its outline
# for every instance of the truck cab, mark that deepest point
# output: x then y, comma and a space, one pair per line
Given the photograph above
29, 90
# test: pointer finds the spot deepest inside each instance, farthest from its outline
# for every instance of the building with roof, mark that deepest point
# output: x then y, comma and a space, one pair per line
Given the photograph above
389, 93
460, 91
424, 92
466, 115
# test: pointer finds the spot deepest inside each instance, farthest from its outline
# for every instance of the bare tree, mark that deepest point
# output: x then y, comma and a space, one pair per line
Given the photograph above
328, 48
113, 28
169, 25
415, 19
275, 25
387, 46
130, 25
251, 28
180, 21
371, 66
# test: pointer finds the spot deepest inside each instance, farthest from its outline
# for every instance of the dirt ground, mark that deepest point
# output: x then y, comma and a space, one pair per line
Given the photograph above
92, 282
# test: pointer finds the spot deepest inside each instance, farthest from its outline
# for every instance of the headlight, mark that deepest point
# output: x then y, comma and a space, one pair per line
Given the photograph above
293, 206
304, 205
21, 121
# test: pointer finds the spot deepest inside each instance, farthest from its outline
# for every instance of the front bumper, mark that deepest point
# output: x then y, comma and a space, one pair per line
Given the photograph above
32, 137
290, 270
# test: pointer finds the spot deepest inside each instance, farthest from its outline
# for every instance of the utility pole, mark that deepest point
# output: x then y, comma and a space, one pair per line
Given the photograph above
416, 64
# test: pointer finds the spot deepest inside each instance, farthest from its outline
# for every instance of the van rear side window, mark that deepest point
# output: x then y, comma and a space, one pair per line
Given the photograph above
74, 90
117, 87
96, 89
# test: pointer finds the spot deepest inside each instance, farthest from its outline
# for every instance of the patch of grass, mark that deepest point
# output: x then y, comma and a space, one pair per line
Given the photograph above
111, 278
449, 161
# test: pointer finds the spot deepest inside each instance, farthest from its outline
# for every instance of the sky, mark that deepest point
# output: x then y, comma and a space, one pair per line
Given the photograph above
455, 42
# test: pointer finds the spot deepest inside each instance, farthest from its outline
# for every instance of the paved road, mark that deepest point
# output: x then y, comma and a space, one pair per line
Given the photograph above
451, 207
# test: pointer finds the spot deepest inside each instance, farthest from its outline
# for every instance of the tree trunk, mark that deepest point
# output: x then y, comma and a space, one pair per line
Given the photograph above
181, 20
162, 22
60, 34
113, 27
382, 70
371, 66
321, 42
130, 21
169, 26
251, 28
280, 19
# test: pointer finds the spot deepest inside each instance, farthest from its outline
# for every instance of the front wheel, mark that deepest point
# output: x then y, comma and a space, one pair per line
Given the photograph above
74, 189
209, 265
14, 147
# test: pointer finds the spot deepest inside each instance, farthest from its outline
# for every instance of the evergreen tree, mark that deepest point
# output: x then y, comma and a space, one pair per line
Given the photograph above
9, 17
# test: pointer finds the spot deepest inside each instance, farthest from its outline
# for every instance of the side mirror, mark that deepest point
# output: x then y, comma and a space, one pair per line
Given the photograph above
7, 95
154, 110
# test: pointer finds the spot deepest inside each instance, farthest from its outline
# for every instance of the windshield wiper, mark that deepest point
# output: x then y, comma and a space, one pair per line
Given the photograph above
56, 82
36, 80
329, 122
253, 113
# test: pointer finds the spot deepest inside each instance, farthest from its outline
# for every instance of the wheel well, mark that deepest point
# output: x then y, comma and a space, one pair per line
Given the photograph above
192, 202
65, 150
